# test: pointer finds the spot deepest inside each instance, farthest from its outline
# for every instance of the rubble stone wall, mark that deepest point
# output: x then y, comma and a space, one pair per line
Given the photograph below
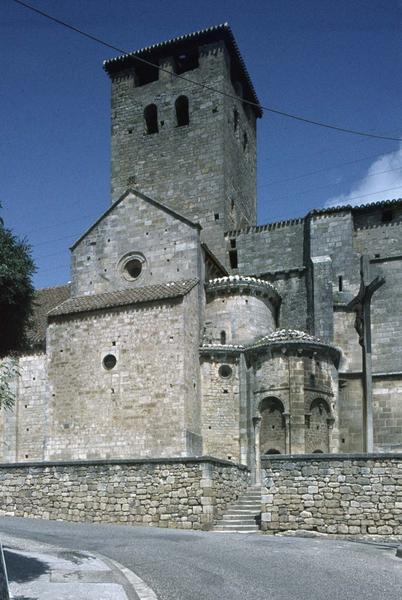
184, 493
348, 494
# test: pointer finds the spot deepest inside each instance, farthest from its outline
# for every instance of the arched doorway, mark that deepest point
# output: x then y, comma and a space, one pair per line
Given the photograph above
317, 429
272, 428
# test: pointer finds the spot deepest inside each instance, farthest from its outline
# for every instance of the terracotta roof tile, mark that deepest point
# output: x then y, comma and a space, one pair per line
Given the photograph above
150, 293
45, 300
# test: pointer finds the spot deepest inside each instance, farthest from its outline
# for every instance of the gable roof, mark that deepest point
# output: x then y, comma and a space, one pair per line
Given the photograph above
155, 203
360, 208
184, 42
150, 293
45, 300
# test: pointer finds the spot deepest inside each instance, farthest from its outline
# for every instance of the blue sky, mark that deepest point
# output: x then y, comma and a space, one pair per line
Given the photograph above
335, 61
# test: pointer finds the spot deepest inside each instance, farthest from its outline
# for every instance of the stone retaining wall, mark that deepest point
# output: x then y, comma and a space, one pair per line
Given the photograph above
186, 493
333, 494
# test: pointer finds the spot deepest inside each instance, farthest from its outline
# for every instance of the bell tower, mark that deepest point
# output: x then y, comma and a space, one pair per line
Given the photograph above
177, 140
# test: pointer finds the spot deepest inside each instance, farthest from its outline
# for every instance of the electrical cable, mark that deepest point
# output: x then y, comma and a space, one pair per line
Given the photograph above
302, 175
329, 185
207, 87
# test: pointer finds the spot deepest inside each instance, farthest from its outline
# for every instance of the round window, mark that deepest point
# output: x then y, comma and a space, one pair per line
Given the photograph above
133, 268
225, 371
109, 362
132, 265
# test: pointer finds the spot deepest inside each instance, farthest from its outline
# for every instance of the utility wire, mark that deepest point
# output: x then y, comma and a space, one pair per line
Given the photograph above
302, 175
75, 236
207, 87
329, 185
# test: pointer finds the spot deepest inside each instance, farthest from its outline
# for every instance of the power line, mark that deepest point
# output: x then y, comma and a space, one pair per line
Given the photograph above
302, 175
207, 87
328, 185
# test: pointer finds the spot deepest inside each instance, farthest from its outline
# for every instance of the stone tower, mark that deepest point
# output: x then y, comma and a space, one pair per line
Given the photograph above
184, 145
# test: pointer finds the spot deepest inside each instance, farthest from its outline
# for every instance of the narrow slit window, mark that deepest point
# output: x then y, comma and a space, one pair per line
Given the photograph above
182, 113
223, 338
235, 119
151, 119
340, 283
233, 259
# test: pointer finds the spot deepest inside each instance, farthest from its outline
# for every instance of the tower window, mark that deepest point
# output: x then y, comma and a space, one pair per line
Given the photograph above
235, 119
151, 119
186, 61
223, 338
340, 283
182, 115
145, 74
245, 140
233, 259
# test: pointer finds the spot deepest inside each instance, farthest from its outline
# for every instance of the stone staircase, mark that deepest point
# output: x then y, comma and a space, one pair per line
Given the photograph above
244, 515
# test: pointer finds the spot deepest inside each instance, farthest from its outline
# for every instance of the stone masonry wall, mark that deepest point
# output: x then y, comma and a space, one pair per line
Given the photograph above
143, 406
334, 494
181, 493
22, 428
169, 248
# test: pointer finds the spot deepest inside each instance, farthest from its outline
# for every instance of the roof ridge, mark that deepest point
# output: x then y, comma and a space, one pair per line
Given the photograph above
138, 194
53, 287
114, 298
368, 205
228, 38
178, 38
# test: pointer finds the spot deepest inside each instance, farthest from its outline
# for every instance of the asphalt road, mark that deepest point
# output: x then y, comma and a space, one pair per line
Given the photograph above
185, 565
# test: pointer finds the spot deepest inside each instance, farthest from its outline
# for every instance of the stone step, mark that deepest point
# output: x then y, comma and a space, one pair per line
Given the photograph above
228, 521
249, 507
241, 517
236, 527
235, 530
256, 500
235, 515
242, 511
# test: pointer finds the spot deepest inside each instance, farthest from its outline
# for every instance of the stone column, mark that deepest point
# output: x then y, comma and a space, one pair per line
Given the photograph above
208, 496
257, 452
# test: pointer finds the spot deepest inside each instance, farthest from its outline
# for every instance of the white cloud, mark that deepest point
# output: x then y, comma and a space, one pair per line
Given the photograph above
383, 181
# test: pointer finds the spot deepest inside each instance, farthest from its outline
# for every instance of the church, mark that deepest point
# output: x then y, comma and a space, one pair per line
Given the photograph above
189, 330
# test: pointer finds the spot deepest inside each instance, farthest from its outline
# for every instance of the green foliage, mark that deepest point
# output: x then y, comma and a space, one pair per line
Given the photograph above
16, 291
8, 373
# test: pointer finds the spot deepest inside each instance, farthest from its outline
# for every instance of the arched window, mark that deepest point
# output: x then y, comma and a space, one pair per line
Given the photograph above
317, 430
272, 432
151, 118
182, 115
223, 337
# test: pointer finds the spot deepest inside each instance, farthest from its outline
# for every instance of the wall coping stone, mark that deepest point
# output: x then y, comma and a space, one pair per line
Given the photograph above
125, 461
331, 457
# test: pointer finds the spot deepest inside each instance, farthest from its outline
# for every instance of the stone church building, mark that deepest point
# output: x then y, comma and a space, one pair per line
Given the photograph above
189, 330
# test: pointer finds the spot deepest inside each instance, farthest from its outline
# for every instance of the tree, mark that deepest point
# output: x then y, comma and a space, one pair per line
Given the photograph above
16, 291
16, 299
